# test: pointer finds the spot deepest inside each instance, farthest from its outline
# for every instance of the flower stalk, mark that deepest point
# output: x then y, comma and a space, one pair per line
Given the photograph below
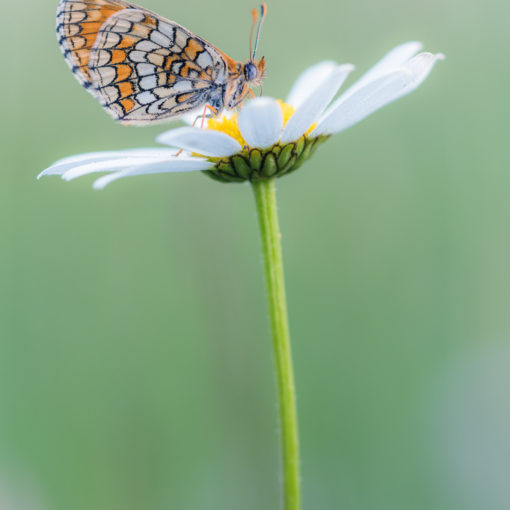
265, 199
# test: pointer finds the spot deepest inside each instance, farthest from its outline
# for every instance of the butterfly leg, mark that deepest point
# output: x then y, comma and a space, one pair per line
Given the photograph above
204, 115
207, 107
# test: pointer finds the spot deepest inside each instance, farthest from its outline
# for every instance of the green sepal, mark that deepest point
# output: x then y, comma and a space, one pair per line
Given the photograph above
285, 155
242, 166
269, 167
256, 157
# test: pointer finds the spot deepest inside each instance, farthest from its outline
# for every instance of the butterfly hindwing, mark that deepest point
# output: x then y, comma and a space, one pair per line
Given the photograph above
147, 69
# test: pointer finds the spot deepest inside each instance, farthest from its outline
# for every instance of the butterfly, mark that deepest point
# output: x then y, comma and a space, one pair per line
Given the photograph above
145, 69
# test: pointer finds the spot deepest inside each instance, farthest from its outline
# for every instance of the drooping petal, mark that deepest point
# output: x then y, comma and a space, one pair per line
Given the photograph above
308, 81
202, 141
261, 122
349, 110
176, 165
63, 165
390, 62
312, 107
107, 166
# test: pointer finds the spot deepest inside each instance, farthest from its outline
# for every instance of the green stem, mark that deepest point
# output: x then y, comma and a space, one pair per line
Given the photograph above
265, 198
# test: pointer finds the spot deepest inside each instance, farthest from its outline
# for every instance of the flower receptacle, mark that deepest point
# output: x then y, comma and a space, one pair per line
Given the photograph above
254, 164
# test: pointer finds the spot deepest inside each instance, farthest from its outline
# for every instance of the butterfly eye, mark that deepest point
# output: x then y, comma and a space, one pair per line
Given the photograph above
250, 71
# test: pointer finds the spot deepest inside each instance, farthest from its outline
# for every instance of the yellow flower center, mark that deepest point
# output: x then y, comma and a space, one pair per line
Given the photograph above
257, 163
229, 125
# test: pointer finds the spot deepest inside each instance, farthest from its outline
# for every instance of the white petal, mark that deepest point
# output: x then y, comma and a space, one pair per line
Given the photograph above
65, 164
107, 166
349, 110
310, 110
261, 122
203, 141
308, 81
390, 62
175, 165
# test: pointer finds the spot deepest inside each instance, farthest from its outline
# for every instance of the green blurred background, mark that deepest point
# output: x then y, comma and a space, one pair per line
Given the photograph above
135, 360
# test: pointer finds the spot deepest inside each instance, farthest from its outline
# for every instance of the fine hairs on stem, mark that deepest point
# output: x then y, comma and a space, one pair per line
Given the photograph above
265, 199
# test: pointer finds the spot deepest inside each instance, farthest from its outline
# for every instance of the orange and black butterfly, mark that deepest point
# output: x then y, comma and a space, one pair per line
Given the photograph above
146, 69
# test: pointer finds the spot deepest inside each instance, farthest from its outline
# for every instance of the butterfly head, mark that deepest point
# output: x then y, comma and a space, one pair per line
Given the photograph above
252, 72
255, 72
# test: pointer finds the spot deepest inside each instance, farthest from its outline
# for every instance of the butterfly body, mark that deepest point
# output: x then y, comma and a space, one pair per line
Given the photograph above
145, 69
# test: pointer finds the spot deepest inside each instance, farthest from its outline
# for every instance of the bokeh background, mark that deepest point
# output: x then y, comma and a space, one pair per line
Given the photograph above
135, 360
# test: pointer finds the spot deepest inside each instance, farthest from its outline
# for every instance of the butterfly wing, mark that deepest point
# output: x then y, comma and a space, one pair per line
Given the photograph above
143, 68
78, 23
146, 69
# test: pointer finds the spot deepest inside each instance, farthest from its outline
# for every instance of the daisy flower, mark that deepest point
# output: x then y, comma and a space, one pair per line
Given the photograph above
267, 137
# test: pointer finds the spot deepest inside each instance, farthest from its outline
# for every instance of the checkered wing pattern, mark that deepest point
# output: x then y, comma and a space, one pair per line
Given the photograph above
78, 23
146, 69
143, 68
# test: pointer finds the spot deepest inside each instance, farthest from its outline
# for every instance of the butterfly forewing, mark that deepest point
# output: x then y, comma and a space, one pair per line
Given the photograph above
142, 67
78, 23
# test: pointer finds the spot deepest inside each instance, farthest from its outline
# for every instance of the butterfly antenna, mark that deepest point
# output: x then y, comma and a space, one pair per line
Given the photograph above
263, 12
254, 17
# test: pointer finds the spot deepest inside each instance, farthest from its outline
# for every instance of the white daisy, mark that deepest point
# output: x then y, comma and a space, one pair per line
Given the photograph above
267, 137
